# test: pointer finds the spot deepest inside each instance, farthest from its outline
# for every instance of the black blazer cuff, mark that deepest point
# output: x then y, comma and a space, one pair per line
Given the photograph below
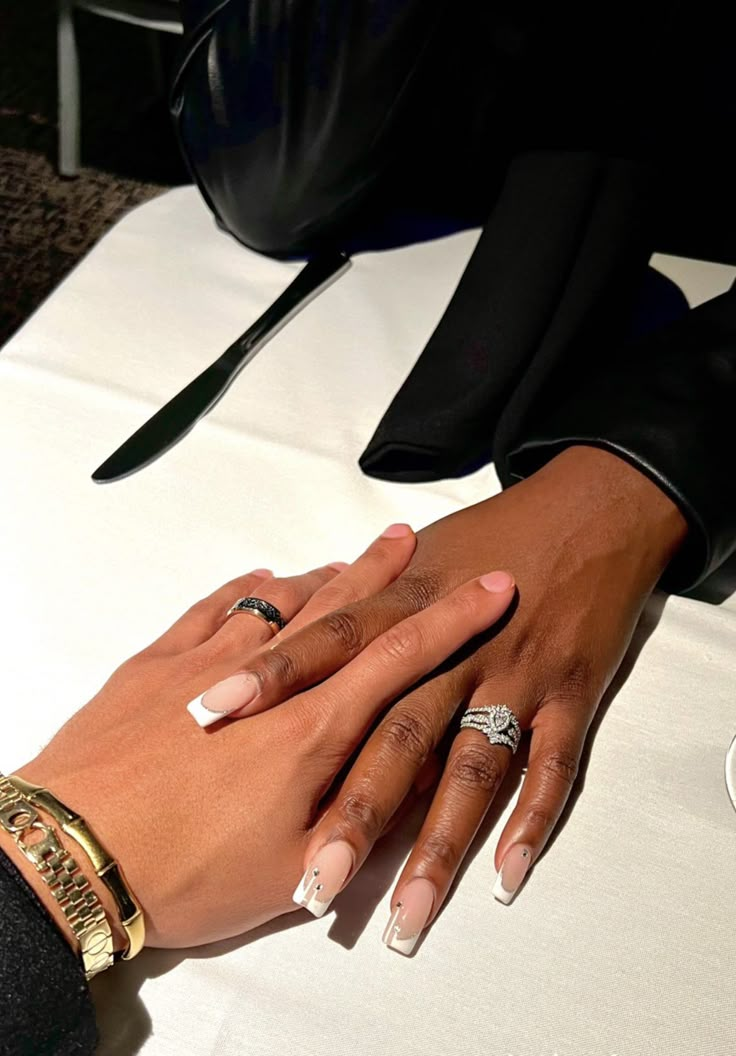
46, 1007
664, 404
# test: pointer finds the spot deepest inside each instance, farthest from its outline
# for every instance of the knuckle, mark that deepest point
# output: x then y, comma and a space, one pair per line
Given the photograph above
345, 628
465, 603
320, 578
525, 650
337, 595
200, 608
561, 764
195, 663
131, 669
437, 849
278, 666
574, 686
284, 594
242, 586
402, 642
312, 739
317, 744
360, 810
420, 587
539, 818
476, 768
409, 733
222, 646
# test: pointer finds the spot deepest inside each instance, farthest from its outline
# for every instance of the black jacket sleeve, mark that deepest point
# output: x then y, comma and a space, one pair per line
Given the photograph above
665, 404
533, 354
45, 1008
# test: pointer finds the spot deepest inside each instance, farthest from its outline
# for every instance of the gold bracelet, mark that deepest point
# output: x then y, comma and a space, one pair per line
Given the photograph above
81, 907
106, 868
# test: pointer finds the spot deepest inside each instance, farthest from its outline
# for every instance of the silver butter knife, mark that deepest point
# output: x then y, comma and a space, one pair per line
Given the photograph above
182, 413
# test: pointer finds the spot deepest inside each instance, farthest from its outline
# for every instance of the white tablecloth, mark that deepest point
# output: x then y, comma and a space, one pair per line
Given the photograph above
624, 940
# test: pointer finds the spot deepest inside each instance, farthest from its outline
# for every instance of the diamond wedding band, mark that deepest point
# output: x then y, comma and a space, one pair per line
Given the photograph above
498, 723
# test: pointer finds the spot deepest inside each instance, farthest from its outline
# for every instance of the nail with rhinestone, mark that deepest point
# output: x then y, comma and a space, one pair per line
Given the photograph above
409, 916
325, 876
512, 872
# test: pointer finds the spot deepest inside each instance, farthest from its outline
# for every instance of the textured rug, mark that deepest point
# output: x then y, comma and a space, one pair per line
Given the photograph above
129, 152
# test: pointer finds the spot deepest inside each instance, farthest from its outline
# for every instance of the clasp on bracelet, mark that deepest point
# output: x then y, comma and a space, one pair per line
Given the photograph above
18, 817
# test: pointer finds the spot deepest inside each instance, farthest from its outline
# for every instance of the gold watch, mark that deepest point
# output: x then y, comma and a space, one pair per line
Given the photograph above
80, 905
107, 869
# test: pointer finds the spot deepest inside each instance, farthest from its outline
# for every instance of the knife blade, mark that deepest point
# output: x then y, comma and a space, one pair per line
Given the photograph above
179, 416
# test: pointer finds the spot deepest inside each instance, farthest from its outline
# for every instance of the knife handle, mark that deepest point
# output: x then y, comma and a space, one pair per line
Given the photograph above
311, 280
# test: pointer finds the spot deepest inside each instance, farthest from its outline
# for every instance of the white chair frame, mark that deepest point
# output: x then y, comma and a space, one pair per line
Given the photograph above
155, 15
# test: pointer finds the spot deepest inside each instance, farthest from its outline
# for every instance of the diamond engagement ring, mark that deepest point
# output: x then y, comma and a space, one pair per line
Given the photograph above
262, 609
498, 723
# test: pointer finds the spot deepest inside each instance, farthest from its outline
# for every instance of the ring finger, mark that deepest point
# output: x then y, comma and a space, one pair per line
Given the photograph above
473, 774
240, 633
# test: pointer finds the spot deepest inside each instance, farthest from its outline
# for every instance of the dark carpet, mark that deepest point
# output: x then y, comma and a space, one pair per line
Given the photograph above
129, 153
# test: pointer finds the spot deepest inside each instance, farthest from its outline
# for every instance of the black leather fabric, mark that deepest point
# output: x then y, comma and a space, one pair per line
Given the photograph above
276, 105
45, 1003
307, 122
664, 403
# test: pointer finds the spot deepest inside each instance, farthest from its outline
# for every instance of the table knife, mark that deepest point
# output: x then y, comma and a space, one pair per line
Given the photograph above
181, 414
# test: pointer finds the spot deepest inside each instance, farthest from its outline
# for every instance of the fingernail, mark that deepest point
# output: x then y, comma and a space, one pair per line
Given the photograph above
409, 917
513, 869
263, 572
496, 582
324, 877
395, 531
339, 565
223, 698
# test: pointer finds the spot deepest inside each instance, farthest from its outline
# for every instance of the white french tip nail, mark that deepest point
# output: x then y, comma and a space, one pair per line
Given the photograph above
306, 894
514, 867
204, 716
410, 916
324, 878
500, 892
392, 935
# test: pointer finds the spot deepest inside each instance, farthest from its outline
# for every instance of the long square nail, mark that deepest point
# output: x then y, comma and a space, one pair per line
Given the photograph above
324, 878
513, 869
223, 699
409, 917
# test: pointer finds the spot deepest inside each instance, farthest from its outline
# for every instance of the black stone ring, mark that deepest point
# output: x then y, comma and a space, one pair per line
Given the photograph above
263, 609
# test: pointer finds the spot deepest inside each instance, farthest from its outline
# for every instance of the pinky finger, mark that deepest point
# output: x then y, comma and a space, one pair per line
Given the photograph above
557, 742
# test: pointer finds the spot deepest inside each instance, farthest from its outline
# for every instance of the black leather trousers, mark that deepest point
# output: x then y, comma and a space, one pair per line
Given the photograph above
313, 120
322, 116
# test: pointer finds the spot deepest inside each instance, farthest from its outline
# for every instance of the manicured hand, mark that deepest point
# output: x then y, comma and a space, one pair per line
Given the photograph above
586, 538
211, 826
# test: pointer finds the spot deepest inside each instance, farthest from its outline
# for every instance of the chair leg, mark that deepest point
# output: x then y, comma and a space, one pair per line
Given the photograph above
68, 87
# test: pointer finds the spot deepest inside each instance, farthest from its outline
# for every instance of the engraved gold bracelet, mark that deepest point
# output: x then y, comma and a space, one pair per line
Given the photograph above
107, 869
79, 903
